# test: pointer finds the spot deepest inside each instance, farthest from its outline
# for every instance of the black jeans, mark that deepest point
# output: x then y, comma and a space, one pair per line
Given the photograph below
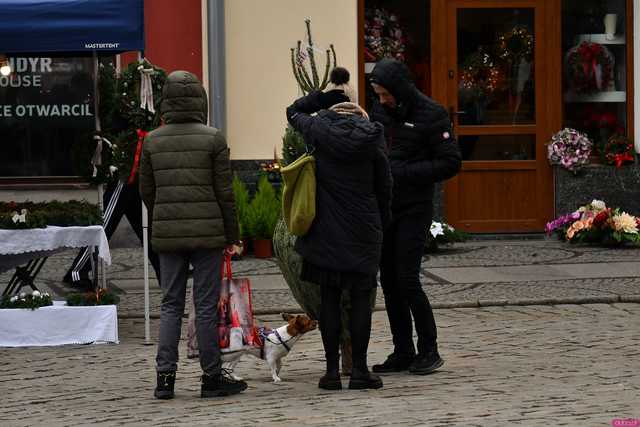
402, 252
360, 325
119, 199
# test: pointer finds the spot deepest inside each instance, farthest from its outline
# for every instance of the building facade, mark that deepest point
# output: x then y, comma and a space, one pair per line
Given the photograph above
510, 72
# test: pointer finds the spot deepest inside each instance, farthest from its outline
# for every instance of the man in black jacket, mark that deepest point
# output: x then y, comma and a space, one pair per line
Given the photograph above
422, 151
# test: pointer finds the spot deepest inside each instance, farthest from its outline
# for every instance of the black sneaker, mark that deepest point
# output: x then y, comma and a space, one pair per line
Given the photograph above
166, 381
426, 364
394, 363
221, 384
330, 381
364, 380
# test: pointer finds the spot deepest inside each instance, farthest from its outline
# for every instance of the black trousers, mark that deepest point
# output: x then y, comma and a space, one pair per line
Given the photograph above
360, 325
119, 199
402, 252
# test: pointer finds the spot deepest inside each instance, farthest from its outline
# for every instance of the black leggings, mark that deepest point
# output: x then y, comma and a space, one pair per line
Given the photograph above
360, 326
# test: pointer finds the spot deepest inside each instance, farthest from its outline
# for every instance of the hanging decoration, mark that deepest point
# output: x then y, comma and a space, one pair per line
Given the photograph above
383, 36
590, 68
619, 151
480, 76
515, 45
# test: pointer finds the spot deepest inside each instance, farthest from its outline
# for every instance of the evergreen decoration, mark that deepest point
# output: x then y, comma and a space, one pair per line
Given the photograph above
126, 142
263, 211
241, 195
293, 145
23, 300
309, 80
120, 117
39, 215
82, 151
99, 297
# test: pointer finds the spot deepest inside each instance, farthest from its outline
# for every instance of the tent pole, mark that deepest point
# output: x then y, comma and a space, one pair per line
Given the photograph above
145, 245
96, 110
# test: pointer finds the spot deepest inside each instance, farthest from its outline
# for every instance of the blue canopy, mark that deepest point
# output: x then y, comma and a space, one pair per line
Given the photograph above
71, 25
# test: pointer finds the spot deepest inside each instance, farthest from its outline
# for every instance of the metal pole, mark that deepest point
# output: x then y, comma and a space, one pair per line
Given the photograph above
96, 113
216, 54
145, 245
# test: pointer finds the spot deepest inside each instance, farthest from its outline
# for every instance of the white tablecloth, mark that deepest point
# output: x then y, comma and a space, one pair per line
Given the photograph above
58, 325
32, 241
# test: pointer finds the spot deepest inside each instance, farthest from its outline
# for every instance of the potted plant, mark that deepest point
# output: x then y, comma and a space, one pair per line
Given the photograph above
241, 195
262, 215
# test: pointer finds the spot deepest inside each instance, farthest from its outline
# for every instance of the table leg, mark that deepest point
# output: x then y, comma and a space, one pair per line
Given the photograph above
24, 276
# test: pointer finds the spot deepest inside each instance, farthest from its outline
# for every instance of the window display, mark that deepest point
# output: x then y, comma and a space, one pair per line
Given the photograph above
594, 43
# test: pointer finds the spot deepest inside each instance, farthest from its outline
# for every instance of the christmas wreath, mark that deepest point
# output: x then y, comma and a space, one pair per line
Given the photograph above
618, 150
129, 108
570, 149
383, 36
515, 45
140, 111
590, 68
479, 75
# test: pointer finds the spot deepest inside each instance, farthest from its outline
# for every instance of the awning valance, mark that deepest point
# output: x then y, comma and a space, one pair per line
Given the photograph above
71, 25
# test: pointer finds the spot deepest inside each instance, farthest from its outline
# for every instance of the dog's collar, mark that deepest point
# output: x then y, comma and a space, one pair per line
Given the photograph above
284, 344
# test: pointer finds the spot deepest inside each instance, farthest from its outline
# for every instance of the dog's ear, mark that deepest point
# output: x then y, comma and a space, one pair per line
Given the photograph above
286, 316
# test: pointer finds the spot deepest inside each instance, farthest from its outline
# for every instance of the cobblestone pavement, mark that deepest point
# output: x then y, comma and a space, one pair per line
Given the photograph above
488, 273
576, 365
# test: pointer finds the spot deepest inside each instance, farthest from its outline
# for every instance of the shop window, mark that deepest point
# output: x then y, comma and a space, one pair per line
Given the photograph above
46, 107
595, 47
401, 30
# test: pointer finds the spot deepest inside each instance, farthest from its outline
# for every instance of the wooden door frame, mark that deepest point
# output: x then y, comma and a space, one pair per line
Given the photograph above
552, 19
547, 119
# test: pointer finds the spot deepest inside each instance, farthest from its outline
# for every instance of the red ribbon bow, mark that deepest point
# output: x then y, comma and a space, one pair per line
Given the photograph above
621, 158
136, 160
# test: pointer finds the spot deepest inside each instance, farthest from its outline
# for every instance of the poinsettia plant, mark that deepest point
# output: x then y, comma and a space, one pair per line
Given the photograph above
597, 223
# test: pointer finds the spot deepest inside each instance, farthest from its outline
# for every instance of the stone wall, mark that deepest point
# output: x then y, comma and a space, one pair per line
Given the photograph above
617, 187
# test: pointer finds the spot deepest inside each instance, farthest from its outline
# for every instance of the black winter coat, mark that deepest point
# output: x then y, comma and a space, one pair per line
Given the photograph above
420, 142
353, 188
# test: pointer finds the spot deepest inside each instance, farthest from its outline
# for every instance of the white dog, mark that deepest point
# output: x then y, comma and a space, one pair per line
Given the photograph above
276, 344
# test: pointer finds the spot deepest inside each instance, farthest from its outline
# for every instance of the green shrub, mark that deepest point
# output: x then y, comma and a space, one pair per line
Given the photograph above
242, 204
263, 212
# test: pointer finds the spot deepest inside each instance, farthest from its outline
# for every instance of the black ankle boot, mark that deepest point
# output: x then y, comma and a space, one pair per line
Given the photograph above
166, 381
363, 379
330, 380
395, 363
221, 384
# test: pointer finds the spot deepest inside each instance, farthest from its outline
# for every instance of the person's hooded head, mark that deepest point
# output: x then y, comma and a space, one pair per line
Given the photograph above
392, 83
184, 99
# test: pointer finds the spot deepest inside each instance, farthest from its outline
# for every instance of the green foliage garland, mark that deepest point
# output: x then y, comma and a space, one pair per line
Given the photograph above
100, 297
39, 215
31, 301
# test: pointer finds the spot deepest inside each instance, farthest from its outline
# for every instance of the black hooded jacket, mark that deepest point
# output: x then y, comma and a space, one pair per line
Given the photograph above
353, 188
420, 142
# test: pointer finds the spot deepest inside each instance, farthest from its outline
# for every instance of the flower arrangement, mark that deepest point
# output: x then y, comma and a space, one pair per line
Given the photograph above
570, 149
38, 215
98, 297
590, 68
383, 36
441, 233
34, 300
618, 151
596, 223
